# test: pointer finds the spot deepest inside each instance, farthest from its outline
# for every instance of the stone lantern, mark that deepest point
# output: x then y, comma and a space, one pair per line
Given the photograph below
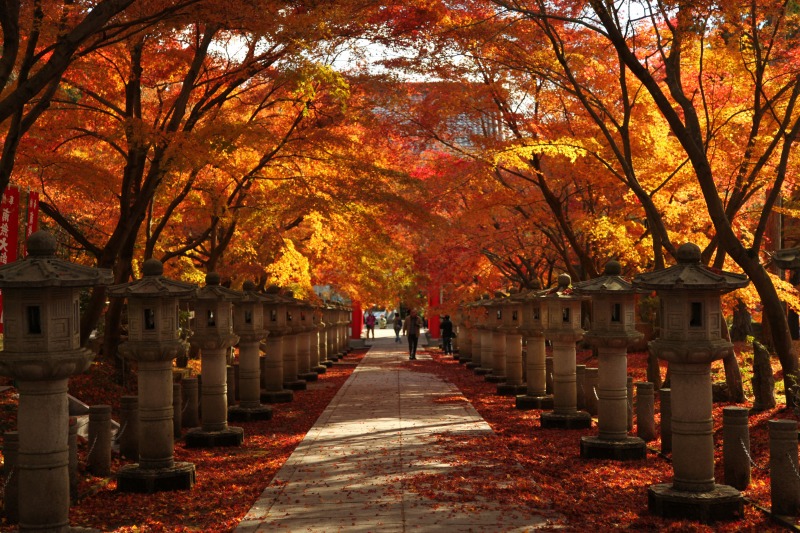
464, 325
534, 316
497, 332
512, 321
475, 312
248, 324
690, 340
291, 342
612, 332
331, 327
562, 325
315, 343
321, 318
214, 336
345, 319
41, 350
487, 319
154, 342
273, 390
340, 336
305, 325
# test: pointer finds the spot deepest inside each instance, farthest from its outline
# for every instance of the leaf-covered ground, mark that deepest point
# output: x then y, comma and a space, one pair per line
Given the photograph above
542, 468
228, 479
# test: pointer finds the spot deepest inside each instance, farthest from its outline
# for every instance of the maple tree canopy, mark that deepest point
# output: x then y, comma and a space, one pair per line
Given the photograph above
482, 145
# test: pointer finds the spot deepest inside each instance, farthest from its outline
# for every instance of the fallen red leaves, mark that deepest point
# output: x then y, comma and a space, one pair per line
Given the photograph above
228, 479
542, 468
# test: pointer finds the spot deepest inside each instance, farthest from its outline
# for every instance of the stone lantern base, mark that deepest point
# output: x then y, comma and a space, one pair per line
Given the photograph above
495, 378
508, 389
308, 376
200, 438
246, 414
576, 420
132, 478
281, 396
722, 503
627, 449
526, 401
297, 384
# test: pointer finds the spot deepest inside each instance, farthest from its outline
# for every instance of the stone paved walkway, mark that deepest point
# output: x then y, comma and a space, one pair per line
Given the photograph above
347, 474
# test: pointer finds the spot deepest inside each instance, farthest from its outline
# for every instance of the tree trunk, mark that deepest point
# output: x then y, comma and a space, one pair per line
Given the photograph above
774, 317
733, 375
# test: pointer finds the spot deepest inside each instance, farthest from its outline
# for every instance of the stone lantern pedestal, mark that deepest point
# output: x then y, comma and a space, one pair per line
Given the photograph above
273, 390
329, 317
563, 328
315, 342
291, 344
306, 327
476, 314
322, 332
346, 321
497, 336
536, 396
41, 307
690, 340
248, 324
213, 334
342, 321
484, 327
512, 320
464, 350
612, 331
154, 342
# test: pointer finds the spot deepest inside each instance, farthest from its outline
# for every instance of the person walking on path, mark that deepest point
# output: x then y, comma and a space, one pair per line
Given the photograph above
398, 326
370, 322
412, 327
446, 328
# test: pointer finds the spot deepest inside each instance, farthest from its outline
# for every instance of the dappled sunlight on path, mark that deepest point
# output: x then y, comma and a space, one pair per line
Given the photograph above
353, 469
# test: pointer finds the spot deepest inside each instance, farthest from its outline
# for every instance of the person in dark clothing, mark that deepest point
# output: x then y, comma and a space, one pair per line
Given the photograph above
446, 328
412, 327
398, 325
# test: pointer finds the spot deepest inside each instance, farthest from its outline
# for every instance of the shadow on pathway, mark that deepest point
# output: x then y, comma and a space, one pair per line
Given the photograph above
379, 430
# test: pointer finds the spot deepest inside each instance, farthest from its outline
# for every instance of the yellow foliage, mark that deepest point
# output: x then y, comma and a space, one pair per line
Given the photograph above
291, 270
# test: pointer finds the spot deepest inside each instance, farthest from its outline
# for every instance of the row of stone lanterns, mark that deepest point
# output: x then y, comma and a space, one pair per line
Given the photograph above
42, 349
690, 340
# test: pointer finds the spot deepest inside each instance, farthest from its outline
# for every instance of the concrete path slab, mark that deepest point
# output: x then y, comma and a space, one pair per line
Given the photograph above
348, 473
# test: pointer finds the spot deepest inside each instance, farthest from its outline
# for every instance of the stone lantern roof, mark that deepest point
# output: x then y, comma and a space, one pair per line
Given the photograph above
273, 292
691, 275
529, 295
41, 268
153, 284
562, 291
248, 314
214, 291
610, 281
788, 258
249, 294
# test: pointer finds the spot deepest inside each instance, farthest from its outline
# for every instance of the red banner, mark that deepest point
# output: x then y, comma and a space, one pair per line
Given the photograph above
9, 232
